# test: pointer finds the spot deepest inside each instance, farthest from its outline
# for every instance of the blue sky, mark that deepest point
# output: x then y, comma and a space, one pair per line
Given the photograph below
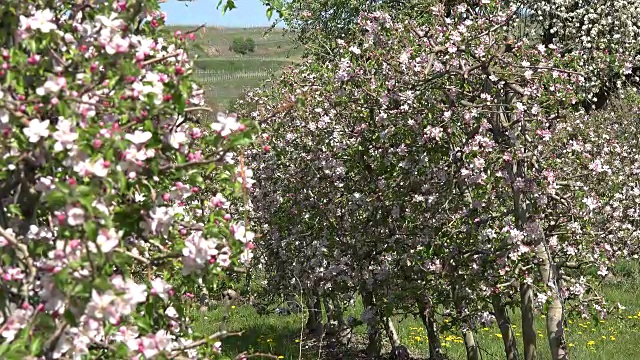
248, 13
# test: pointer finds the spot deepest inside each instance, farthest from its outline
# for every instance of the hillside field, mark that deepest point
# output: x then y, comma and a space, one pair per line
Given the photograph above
225, 74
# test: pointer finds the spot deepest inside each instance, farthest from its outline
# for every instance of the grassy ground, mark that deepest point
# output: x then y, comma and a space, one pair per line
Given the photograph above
616, 338
274, 50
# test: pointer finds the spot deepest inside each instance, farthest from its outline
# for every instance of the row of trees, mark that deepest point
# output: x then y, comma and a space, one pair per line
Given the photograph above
453, 159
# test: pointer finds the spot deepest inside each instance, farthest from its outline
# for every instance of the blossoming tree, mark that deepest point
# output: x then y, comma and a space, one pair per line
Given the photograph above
116, 198
441, 164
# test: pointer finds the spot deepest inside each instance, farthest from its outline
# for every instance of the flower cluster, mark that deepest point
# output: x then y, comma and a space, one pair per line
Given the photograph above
110, 184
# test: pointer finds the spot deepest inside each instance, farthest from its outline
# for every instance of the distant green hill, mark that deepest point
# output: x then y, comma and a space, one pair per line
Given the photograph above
225, 74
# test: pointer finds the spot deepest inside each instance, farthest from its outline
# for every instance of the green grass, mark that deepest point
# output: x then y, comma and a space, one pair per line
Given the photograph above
240, 64
274, 50
220, 95
615, 338
214, 41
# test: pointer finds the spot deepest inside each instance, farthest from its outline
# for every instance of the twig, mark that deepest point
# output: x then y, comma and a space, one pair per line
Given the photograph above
217, 161
195, 30
24, 251
216, 336
196, 108
53, 340
168, 56
244, 355
137, 257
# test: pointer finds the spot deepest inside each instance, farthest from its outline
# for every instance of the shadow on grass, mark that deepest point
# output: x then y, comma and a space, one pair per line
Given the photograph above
273, 334
276, 335
267, 339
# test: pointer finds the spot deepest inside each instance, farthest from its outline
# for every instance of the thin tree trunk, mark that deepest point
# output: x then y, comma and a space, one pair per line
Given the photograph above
374, 344
314, 322
510, 345
470, 345
429, 322
337, 320
338, 313
528, 326
398, 351
392, 334
328, 309
518, 171
555, 326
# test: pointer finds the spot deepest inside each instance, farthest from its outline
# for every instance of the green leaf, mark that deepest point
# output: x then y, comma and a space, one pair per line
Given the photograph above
91, 229
56, 199
70, 318
123, 182
36, 344
240, 141
83, 190
196, 178
87, 201
4, 347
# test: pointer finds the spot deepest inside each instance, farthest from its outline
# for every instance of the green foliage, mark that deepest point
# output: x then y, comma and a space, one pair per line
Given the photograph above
242, 46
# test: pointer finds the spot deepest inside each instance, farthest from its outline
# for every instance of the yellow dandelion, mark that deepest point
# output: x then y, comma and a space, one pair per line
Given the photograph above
571, 345
499, 335
280, 357
591, 343
612, 338
418, 338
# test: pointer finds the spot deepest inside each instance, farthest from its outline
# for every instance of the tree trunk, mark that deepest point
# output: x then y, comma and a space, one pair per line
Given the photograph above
328, 309
335, 318
470, 345
374, 344
429, 322
555, 311
338, 313
528, 326
510, 345
398, 351
314, 322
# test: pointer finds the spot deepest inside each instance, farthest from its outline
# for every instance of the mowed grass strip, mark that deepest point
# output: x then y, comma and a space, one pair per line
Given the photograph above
240, 64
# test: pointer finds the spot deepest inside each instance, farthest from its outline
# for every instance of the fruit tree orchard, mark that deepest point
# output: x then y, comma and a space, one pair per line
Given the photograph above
439, 157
